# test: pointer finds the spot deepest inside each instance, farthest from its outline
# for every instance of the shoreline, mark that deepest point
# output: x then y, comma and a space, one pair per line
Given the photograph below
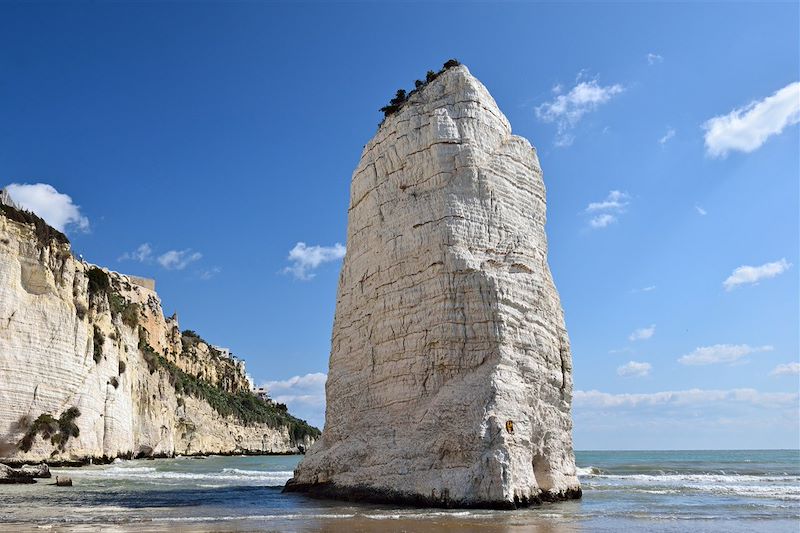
105, 460
366, 494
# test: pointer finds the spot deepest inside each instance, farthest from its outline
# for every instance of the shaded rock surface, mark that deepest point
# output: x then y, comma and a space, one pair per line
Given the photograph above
450, 379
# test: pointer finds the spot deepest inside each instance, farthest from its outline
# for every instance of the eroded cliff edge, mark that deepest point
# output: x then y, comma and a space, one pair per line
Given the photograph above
91, 369
450, 379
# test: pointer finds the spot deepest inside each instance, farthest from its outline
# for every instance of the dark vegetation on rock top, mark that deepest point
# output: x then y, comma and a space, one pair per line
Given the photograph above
401, 97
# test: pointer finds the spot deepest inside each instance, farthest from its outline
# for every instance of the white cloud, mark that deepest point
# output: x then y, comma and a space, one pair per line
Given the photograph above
634, 369
142, 254
745, 129
721, 353
691, 397
686, 419
208, 273
649, 288
57, 209
178, 259
621, 350
601, 221
307, 258
171, 260
700, 210
652, 58
614, 203
303, 395
567, 110
667, 136
642, 334
787, 369
753, 274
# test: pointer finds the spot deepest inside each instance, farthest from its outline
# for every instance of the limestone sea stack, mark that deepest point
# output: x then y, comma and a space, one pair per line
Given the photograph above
450, 379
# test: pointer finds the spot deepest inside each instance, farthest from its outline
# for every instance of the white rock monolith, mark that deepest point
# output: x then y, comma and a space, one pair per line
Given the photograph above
450, 377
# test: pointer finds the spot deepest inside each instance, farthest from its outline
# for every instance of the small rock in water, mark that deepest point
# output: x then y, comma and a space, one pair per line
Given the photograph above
40, 470
63, 481
11, 475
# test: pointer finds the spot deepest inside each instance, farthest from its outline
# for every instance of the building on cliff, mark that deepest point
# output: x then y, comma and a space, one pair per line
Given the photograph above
90, 368
450, 378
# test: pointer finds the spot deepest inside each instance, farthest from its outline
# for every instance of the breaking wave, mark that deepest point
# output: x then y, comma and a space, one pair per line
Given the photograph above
224, 477
780, 487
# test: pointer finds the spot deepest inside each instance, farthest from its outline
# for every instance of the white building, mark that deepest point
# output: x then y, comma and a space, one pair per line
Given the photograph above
262, 393
226, 352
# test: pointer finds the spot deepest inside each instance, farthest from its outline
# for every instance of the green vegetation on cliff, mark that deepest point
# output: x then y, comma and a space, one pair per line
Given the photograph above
99, 286
44, 232
242, 405
57, 430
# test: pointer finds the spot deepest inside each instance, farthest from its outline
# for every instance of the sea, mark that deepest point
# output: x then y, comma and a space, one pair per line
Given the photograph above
663, 491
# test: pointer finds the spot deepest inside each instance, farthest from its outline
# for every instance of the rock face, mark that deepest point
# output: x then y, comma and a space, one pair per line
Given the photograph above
450, 371
74, 336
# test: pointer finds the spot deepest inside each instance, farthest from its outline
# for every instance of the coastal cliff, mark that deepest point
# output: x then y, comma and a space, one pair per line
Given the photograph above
90, 369
450, 379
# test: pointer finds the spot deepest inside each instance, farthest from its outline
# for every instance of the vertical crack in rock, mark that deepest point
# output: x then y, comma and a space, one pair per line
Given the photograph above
449, 381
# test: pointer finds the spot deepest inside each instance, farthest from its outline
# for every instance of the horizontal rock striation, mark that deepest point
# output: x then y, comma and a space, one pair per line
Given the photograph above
450, 379
91, 369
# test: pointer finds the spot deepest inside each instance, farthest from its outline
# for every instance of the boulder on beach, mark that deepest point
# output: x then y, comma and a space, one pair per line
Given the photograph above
63, 481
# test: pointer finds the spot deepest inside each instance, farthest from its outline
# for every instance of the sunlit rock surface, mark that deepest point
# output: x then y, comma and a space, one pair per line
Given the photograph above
450, 377
49, 362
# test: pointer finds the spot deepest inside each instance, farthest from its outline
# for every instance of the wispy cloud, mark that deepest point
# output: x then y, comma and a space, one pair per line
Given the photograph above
305, 259
642, 334
700, 210
170, 260
691, 397
601, 221
567, 110
648, 288
57, 209
208, 273
606, 211
787, 369
634, 369
627, 349
667, 136
178, 259
652, 58
615, 201
303, 395
721, 353
685, 419
747, 128
142, 254
753, 274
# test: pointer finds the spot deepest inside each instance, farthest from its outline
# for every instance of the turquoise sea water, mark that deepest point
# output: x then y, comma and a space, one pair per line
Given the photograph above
726, 491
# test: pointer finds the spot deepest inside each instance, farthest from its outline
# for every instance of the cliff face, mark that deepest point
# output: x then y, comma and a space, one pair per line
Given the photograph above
75, 336
450, 371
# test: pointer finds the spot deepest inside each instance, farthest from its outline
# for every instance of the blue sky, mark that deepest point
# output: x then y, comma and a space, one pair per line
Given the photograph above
200, 144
